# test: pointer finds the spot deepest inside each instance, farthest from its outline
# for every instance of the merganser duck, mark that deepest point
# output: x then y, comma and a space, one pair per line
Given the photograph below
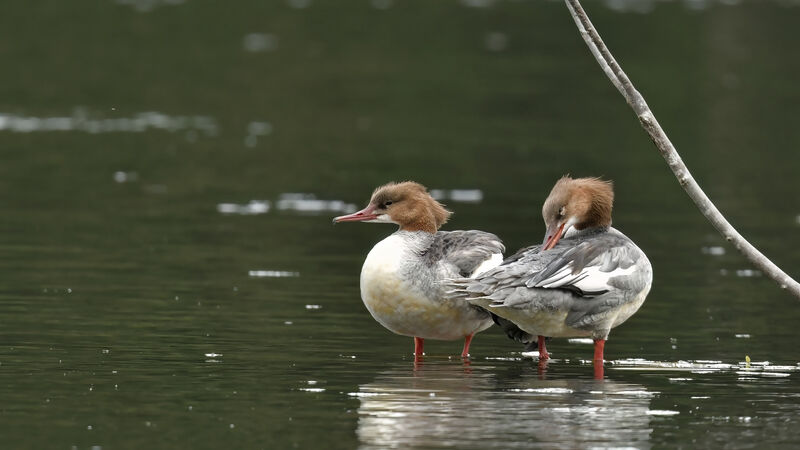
583, 280
401, 280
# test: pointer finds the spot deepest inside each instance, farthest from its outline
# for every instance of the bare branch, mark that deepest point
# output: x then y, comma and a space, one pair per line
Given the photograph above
667, 150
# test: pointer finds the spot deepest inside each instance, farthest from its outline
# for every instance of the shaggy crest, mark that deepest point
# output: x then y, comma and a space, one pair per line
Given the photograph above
588, 199
411, 206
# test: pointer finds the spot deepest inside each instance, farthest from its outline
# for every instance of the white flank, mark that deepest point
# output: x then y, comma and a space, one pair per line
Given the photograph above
590, 279
489, 264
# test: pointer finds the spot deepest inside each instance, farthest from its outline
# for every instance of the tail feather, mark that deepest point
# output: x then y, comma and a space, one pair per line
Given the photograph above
511, 330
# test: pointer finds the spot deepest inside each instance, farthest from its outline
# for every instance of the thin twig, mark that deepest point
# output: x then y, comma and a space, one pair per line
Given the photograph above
667, 150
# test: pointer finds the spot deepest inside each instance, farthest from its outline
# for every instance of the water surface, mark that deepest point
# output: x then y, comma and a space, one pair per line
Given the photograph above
170, 168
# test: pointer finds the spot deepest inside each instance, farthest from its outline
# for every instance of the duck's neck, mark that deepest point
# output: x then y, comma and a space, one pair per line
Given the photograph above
414, 239
575, 233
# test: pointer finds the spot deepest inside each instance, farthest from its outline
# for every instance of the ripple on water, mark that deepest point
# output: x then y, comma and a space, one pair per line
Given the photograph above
743, 369
125, 177
299, 4
82, 120
298, 202
272, 274
382, 4
458, 195
309, 203
544, 390
662, 412
149, 5
253, 207
713, 250
260, 42
255, 129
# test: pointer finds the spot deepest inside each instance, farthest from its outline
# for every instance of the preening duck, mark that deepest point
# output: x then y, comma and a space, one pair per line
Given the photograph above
583, 280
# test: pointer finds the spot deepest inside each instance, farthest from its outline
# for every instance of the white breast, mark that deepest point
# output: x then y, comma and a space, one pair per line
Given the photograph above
392, 293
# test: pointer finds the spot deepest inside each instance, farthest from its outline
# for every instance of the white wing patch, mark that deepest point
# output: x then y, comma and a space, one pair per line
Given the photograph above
590, 279
489, 264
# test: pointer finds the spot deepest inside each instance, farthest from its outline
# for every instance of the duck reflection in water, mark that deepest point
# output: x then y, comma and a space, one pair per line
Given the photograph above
501, 406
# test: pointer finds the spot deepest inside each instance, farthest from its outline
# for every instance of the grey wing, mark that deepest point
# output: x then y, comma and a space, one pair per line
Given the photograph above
462, 252
577, 275
589, 268
585, 268
611, 265
522, 253
513, 272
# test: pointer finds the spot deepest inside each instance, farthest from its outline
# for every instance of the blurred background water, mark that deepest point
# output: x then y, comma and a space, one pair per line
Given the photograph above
170, 277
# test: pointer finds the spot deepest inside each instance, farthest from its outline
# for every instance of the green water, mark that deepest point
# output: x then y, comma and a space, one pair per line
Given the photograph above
145, 301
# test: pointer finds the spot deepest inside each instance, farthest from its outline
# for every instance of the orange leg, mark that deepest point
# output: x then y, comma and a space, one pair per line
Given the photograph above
418, 346
599, 344
543, 355
467, 341
598, 370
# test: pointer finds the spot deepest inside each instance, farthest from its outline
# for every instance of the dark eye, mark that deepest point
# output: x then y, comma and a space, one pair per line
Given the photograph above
387, 203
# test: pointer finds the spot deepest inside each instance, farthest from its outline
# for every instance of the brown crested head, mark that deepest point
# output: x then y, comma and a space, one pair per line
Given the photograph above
580, 203
409, 205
